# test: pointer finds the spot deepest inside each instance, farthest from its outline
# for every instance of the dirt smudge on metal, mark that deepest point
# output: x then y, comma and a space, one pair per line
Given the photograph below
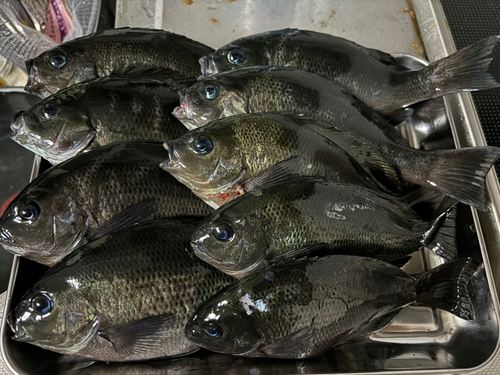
231, 1
214, 20
418, 44
187, 2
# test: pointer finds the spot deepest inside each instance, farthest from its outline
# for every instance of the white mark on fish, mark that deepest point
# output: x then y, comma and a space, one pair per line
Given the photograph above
248, 304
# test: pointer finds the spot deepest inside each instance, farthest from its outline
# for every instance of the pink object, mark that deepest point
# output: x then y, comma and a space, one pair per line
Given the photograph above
59, 22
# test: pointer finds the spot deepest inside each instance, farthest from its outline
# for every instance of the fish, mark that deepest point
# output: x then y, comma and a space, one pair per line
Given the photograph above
88, 196
124, 297
298, 217
217, 160
304, 308
99, 112
459, 174
371, 75
134, 51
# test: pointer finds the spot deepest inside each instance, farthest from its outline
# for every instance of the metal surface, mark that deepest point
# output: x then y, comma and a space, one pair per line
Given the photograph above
419, 340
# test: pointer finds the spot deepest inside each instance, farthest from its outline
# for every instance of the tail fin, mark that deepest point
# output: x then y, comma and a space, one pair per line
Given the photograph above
445, 287
459, 174
441, 237
464, 70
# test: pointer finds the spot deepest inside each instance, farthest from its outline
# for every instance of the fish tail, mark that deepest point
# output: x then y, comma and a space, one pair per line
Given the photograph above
445, 287
440, 236
459, 174
464, 70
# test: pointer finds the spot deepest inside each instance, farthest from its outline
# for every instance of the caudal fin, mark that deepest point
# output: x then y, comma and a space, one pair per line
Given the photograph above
445, 287
464, 70
459, 174
441, 237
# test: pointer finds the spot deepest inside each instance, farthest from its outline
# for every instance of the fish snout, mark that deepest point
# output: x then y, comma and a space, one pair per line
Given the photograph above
207, 66
5, 236
33, 86
172, 161
19, 333
18, 124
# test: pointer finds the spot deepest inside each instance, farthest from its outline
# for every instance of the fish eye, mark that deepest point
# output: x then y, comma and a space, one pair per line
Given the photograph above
202, 145
42, 304
214, 330
30, 212
236, 57
223, 233
58, 61
48, 111
212, 91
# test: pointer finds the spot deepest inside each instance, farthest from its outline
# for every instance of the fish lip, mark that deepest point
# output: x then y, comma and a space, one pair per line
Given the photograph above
18, 336
208, 67
170, 163
181, 112
18, 125
33, 86
6, 237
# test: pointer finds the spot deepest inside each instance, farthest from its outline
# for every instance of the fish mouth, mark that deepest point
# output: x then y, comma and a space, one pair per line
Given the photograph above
20, 333
6, 237
183, 112
207, 66
18, 125
34, 85
173, 158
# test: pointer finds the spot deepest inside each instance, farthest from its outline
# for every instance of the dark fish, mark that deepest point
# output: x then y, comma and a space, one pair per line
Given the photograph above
82, 197
459, 174
124, 297
96, 113
217, 161
303, 308
278, 220
117, 51
372, 76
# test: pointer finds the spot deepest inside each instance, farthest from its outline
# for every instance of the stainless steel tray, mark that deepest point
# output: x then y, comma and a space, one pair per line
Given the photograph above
419, 340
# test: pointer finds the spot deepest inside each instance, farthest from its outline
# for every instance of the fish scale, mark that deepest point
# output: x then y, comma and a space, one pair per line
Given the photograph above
277, 220
372, 76
130, 275
111, 51
106, 110
98, 184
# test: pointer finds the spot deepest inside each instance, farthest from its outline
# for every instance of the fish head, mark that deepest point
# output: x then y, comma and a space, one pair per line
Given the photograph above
207, 159
58, 68
233, 238
53, 129
222, 325
241, 53
42, 224
211, 99
55, 316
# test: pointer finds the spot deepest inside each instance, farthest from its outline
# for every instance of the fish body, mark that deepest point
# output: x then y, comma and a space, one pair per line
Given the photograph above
278, 220
372, 76
243, 146
124, 297
66, 204
389, 157
126, 50
98, 112
303, 308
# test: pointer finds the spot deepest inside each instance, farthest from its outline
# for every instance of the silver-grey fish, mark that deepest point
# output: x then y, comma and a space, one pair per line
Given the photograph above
125, 50
217, 161
303, 308
280, 219
91, 193
98, 112
125, 297
372, 76
459, 174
